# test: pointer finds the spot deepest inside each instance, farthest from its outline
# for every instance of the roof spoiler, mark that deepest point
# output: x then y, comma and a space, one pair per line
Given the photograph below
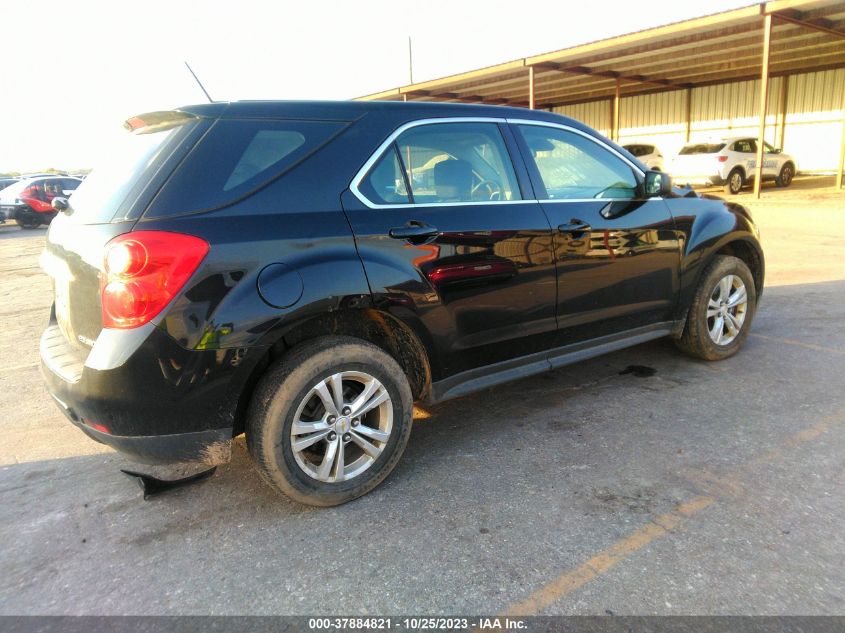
157, 121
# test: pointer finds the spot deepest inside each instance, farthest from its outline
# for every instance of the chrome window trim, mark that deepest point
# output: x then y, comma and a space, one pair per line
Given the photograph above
362, 173
377, 154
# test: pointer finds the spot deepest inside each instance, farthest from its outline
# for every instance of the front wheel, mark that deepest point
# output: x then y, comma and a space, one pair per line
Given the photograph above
787, 173
721, 311
735, 181
329, 422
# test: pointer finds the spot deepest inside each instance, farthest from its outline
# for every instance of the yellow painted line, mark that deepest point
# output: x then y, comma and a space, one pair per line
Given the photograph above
603, 561
789, 341
729, 487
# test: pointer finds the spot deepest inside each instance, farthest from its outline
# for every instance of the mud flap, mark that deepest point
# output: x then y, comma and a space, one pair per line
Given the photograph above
152, 485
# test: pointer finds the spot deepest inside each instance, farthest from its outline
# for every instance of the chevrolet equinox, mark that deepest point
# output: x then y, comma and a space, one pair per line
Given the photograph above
303, 272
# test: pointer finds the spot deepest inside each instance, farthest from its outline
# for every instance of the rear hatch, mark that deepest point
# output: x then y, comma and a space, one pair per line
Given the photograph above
107, 204
697, 159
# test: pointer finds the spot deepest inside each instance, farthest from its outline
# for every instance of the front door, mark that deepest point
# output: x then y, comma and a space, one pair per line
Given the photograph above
452, 247
617, 251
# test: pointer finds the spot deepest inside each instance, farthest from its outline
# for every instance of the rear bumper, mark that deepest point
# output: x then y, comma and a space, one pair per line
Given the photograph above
210, 447
162, 404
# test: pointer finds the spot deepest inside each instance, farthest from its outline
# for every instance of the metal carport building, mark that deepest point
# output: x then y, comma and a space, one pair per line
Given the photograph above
688, 81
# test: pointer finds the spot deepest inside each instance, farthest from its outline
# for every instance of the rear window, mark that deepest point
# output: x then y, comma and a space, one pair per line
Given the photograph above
236, 158
702, 148
639, 150
127, 166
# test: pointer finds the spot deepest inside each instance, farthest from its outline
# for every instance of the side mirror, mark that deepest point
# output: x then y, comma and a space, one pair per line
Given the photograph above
657, 184
60, 204
777, 150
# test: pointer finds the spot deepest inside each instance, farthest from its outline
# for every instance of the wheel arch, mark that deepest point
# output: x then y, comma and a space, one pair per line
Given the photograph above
375, 326
741, 244
750, 254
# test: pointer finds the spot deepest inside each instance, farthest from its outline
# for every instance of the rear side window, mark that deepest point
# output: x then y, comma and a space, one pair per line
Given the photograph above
640, 150
702, 148
457, 162
236, 158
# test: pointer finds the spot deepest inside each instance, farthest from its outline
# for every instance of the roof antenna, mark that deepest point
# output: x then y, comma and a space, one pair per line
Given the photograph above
197, 79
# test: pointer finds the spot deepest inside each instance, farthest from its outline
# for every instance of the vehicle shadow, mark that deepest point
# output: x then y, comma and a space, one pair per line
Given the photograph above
10, 230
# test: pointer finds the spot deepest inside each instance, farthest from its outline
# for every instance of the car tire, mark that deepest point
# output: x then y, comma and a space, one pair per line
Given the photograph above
707, 337
295, 388
787, 173
27, 219
735, 181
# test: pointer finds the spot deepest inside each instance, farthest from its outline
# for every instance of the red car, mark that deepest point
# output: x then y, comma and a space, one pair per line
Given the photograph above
30, 202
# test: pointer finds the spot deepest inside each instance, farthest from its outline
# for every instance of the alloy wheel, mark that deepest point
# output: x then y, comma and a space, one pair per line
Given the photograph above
727, 309
736, 181
341, 426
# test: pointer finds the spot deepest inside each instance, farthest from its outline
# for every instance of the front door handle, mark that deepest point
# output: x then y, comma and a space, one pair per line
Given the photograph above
575, 226
414, 231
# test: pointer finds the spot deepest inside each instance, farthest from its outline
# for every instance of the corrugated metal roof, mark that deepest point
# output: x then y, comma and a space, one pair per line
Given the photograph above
704, 51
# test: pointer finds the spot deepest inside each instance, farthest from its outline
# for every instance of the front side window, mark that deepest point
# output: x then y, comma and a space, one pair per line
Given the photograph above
745, 146
457, 162
572, 166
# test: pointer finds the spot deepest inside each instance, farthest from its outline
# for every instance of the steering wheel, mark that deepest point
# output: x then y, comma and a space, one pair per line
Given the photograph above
492, 189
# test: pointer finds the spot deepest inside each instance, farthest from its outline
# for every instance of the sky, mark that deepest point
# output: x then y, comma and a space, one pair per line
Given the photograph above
83, 67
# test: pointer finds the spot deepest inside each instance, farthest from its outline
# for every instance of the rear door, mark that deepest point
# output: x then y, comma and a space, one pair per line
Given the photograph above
746, 155
453, 243
616, 250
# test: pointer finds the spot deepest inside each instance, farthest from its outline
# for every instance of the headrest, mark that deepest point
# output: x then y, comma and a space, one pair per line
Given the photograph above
453, 180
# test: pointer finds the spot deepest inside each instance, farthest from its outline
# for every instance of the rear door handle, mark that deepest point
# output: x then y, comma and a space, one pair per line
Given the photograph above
413, 231
574, 226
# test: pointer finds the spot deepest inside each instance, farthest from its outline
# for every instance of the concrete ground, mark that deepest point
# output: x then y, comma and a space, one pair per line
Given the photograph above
707, 488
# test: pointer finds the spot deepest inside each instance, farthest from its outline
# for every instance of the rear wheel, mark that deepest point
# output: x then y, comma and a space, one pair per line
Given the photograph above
27, 219
787, 173
735, 181
329, 422
722, 308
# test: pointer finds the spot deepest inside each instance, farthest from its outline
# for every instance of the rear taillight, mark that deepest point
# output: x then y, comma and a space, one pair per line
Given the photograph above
143, 271
722, 159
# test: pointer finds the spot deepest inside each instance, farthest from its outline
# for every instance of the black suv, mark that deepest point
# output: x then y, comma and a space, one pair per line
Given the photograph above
302, 272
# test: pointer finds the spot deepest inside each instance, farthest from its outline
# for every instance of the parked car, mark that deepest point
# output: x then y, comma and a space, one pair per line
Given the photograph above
647, 154
30, 202
731, 162
280, 269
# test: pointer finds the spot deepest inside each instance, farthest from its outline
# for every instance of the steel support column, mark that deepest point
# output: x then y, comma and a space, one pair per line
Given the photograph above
783, 102
842, 144
764, 97
531, 87
615, 126
688, 115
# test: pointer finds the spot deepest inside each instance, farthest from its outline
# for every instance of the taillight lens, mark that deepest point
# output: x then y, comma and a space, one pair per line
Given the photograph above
143, 271
722, 159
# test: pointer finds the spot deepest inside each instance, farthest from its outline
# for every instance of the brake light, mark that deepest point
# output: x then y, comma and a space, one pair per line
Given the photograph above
143, 271
722, 159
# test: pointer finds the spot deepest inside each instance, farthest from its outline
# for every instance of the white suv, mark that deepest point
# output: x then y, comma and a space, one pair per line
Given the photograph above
647, 153
730, 162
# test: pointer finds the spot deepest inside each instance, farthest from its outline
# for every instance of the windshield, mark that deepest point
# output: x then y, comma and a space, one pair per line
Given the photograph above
126, 167
702, 148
